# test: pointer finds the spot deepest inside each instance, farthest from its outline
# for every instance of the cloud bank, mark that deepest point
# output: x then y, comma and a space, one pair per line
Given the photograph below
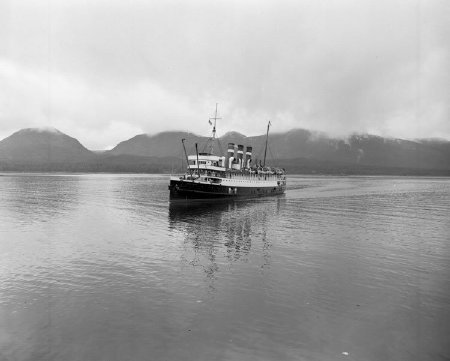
107, 70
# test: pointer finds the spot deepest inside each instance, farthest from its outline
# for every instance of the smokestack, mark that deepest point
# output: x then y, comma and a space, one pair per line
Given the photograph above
248, 157
230, 155
240, 156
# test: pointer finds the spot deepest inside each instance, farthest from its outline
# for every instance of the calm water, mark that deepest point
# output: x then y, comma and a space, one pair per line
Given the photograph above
102, 267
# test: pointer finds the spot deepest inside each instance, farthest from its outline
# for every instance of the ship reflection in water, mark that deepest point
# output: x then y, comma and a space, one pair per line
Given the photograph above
221, 232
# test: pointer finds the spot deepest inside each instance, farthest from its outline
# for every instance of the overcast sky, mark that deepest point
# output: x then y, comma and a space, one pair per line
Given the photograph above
104, 71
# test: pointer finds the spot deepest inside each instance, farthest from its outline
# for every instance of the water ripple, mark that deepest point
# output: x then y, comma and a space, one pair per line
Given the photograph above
103, 267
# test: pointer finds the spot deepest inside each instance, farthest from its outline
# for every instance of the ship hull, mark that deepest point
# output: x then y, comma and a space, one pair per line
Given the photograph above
188, 189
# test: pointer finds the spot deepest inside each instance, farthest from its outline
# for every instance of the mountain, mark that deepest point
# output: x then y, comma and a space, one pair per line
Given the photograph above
359, 150
48, 150
299, 151
164, 144
168, 144
42, 145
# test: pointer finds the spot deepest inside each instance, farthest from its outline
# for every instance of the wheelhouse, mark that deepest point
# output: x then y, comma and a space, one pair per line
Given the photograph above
205, 162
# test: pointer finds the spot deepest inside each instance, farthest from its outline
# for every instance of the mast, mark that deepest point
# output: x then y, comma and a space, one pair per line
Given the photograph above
198, 164
267, 138
187, 159
213, 138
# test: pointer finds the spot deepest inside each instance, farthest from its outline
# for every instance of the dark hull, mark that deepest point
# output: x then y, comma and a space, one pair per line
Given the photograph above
192, 190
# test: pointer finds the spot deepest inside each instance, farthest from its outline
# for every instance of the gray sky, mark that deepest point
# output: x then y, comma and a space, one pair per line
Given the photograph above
103, 71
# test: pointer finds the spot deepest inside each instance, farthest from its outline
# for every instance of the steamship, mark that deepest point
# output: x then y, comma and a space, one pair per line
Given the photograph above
231, 176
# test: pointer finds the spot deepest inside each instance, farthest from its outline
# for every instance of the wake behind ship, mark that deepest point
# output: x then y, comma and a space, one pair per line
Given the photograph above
231, 176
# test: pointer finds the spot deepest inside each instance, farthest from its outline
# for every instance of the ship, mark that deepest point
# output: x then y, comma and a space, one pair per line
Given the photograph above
233, 175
